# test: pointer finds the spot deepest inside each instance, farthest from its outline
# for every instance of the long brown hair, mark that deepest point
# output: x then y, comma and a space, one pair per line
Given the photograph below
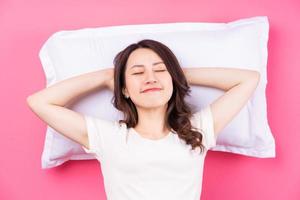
178, 111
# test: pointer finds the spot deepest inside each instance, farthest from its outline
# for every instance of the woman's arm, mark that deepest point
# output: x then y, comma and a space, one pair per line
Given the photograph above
65, 91
238, 84
49, 103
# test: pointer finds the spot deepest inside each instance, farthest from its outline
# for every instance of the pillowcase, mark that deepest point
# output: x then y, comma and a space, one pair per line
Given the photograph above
238, 44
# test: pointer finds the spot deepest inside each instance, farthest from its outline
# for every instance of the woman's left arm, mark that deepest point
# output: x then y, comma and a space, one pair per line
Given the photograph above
238, 84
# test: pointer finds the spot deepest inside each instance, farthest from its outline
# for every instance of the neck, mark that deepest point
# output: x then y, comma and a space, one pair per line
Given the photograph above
152, 122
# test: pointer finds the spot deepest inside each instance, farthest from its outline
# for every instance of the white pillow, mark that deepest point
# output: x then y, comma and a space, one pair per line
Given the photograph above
237, 44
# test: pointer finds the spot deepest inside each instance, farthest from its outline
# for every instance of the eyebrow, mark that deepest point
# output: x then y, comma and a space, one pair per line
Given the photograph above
156, 63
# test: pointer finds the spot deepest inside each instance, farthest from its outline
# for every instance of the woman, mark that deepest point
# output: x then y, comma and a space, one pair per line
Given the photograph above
158, 150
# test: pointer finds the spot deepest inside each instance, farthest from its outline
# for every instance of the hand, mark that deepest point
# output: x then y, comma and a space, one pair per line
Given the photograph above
110, 79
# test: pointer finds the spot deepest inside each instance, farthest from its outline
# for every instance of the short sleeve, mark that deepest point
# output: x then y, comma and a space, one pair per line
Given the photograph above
98, 131
204, 121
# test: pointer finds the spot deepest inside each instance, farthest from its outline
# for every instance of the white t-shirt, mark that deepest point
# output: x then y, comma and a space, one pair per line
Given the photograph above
138, 168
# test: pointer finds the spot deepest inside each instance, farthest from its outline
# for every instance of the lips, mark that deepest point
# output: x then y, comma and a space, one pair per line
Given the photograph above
152, 89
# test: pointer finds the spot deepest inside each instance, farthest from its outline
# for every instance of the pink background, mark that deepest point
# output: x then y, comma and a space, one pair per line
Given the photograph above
25, 26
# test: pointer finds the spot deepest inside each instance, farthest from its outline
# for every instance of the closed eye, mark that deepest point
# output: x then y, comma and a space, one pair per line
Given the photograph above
156, 71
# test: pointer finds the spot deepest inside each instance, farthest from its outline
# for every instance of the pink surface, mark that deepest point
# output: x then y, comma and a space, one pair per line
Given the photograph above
25, 26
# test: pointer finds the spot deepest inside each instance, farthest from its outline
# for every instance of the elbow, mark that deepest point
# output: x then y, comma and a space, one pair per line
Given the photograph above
35, 104
33, 100
252, 79
255, 76
30, 100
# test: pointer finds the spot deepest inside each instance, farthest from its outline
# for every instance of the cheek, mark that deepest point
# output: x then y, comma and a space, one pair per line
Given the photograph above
169, 81
133, 85
168, 85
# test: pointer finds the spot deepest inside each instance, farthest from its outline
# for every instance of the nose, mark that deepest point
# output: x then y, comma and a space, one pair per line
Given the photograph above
150, 78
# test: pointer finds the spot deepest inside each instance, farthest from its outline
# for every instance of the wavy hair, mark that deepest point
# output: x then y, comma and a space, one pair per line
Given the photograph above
178, 111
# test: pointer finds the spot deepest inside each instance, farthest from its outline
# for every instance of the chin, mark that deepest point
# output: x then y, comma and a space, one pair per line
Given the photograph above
153, 104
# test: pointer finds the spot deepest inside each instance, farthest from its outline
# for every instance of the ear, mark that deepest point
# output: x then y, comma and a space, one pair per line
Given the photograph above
125, 92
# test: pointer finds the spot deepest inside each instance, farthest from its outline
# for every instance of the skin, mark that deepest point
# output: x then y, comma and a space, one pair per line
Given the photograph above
49, 104
151, 106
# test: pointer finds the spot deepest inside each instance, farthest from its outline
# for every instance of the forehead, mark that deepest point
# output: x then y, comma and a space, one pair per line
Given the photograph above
142, 56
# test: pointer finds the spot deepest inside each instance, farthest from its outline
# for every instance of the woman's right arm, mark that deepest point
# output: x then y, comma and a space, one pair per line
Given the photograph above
49, 103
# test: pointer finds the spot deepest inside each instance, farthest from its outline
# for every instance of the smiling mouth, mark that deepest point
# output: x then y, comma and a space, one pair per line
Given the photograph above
152, 90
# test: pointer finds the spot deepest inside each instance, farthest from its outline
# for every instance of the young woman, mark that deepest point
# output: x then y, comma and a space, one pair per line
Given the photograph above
157, 152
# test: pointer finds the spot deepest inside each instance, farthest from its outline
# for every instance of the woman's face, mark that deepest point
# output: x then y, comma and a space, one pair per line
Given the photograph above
145, 69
